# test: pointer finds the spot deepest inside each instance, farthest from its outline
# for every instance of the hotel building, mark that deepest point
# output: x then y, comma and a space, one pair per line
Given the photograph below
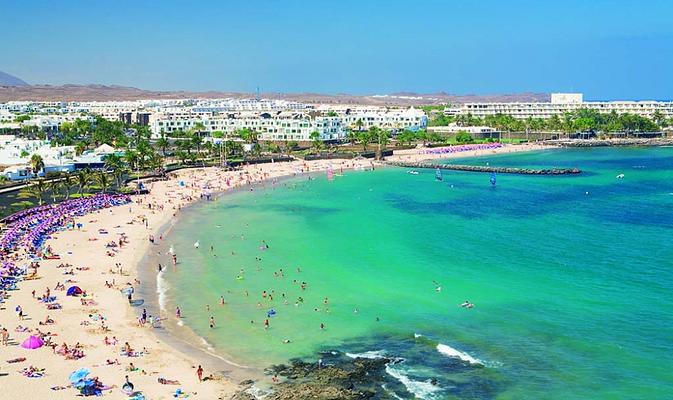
560, 104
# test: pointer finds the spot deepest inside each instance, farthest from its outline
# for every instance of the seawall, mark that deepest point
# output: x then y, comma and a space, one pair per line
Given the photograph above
480, 168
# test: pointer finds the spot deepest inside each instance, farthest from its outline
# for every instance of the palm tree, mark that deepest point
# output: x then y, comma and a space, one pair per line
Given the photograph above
68, 182
163, 144
197, 141
364, 138
181, 156
37, 163
55, 186
131, 157
315, 140
144, 153
247, 134
352, 137
359, 124
37, 189
658, 118
115, 163
103, 181
83, 179
79, 148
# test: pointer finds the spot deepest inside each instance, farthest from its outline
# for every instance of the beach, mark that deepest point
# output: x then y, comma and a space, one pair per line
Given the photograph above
100, 324
426, 154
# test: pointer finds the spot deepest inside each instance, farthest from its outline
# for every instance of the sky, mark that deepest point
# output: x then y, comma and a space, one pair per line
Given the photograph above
605, 49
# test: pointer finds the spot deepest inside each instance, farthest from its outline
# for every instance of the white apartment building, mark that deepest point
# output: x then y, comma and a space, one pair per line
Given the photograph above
396, 118
410, 118
270, 126
560, 104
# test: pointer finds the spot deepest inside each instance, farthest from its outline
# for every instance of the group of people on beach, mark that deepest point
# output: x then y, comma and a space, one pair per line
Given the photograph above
23, 243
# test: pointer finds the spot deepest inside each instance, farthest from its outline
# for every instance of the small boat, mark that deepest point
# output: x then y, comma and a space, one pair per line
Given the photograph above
620, 176
412, 172
438, 175
493, 179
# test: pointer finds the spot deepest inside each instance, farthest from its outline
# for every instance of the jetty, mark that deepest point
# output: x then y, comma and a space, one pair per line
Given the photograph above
484, 168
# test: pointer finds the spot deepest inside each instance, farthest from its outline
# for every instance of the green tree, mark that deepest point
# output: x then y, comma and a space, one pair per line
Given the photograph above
36, 163
83, 179
80, 147
351, 136
316, 143
37, 190
132, 158
464, 137
115, 163
55, 186
68, 183
364, 138
407, 137
182, 156
197, 141
103, 181
292, 145
247, 134
163, 144
359, 124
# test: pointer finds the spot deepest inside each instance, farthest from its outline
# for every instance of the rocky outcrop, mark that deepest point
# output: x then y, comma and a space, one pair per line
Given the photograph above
480, 168
357, 379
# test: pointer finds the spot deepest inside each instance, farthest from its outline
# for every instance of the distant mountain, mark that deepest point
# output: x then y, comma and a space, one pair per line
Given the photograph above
114, 92
10, 80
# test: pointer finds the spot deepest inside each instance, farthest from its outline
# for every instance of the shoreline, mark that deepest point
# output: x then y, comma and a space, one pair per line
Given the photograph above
86, 249
161, 208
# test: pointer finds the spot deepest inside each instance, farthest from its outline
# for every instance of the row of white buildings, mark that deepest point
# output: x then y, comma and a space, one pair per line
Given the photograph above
331, 124
560, 104
271, 119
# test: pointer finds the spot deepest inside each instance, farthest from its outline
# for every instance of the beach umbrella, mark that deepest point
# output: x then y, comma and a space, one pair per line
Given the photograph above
33, 342
78, 375
74, 291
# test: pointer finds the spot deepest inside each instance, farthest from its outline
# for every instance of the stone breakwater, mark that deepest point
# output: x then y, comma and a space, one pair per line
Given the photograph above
480, 168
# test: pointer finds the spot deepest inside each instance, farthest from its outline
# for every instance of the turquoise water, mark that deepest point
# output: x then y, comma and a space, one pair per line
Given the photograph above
571, 277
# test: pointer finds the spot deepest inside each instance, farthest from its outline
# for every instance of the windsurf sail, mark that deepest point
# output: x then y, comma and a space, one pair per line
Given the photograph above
493, 178
438, 174
330, 173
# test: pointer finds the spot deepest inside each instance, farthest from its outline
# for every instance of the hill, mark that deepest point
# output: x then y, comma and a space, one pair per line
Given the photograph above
113, 92
10, 80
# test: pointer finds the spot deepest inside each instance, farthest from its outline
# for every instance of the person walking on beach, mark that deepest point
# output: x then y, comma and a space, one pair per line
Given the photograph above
212, 322
199, 373
5, 336
178, 314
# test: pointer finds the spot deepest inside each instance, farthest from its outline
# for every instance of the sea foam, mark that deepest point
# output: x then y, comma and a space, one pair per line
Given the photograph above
161, 291
420, 389
372, 355
451, 352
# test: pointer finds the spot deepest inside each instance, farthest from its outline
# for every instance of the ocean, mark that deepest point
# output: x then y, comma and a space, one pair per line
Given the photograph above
570, 277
